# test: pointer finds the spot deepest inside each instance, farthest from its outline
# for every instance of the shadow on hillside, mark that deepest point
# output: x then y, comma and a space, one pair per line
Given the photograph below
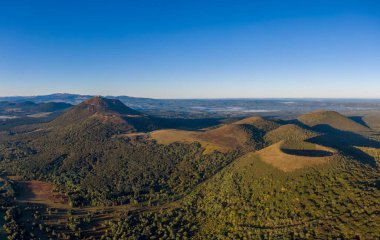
359, 119
23, 191
307, 153
291, 121
345, 142
187, 124
377, 184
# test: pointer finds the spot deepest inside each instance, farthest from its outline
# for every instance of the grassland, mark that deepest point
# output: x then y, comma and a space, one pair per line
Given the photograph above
246, 135
223, 139
277, 157
169, 136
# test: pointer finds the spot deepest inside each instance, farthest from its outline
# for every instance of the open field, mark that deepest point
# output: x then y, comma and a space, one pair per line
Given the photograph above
39, 192
168, 136
172, 135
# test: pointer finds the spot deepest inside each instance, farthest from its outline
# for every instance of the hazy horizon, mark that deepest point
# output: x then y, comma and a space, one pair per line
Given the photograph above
209, 98
191, 49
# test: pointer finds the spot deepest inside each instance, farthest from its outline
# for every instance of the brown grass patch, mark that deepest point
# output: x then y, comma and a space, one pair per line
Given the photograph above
229, 136
224, 138
275, 156
40, 193
172, 135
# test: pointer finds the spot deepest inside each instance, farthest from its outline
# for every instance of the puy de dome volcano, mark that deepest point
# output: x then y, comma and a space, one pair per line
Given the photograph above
102, 112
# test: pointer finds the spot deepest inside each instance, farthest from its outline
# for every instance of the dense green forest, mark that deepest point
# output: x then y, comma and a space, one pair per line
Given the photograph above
252, 200
116, 171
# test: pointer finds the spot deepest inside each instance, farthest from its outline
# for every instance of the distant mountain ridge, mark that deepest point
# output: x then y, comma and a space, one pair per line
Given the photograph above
58, 97
104, 104
29, 106
216, 108
106, 111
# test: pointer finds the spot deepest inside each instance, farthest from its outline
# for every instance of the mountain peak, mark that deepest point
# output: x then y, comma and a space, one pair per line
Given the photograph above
100, 108
102, 104
100, 101
97, 101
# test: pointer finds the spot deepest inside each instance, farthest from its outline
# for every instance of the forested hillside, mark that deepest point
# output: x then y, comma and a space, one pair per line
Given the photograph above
107, 171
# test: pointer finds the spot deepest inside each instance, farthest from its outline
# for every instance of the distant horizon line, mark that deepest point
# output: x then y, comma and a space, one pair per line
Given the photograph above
199, 98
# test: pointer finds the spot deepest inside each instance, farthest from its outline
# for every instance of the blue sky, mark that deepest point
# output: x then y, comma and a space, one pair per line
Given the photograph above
191, 49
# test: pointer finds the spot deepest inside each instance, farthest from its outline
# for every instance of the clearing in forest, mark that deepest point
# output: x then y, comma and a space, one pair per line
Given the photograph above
169, 136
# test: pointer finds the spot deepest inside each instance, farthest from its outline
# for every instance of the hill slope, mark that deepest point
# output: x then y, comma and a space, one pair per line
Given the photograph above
251, 199
246, 135
332, 119
80, 153
372, 119
104, 112
289, 132
259, 123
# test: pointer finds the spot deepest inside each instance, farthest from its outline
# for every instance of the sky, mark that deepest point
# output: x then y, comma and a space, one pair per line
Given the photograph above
191, 49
